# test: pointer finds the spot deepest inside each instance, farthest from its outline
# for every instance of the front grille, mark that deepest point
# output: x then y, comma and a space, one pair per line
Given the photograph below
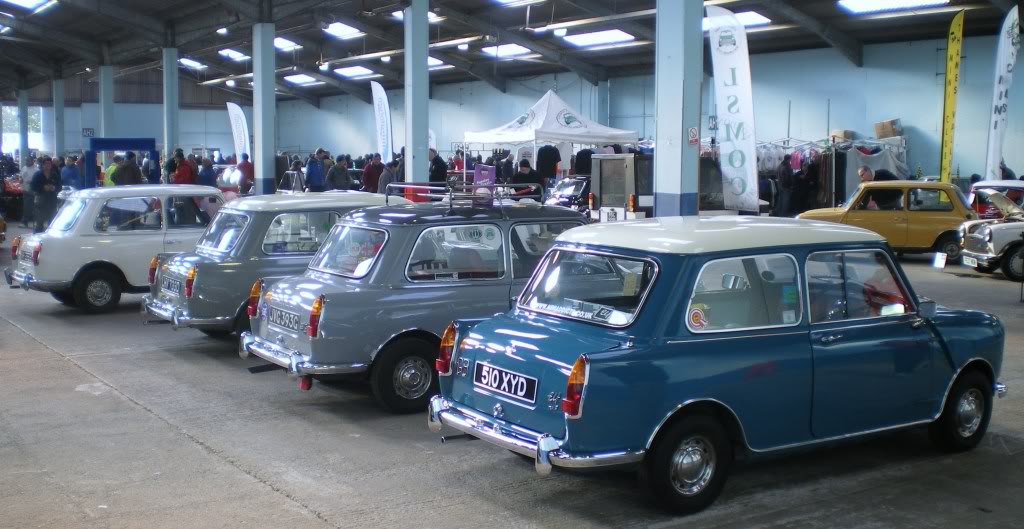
976, 244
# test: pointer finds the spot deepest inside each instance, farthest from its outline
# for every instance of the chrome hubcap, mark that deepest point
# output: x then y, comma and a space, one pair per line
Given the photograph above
693, 466
412, 377
969, 412
952, 249
98, 293
1017, 263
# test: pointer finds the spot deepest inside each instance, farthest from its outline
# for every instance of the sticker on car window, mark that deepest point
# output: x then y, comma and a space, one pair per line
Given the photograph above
629, 285
789, 317
697, 317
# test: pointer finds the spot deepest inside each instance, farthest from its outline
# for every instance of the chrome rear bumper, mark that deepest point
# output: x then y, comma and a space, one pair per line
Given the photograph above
294, 362
543, 448
155, 310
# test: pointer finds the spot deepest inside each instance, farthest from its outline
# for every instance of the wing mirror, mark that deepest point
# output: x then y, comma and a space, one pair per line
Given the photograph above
927, 308
733, 282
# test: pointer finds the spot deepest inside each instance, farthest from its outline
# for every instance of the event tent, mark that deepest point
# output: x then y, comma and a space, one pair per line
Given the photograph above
552, 120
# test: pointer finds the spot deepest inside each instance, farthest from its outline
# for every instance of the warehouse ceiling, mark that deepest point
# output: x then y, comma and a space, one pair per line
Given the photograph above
338, 46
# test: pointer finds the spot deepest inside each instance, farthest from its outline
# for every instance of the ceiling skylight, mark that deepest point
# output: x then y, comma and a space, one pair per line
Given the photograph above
873, 6
301, 79
505, 50
431, 16
27, 4
518, 3
598, 38
747, 18
343, 31
44, 7
284, 44
433, 62
234, 55
189, 63
353, 71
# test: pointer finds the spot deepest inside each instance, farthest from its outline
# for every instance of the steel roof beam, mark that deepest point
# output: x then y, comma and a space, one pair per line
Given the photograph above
850, 47
148, 27
82, 48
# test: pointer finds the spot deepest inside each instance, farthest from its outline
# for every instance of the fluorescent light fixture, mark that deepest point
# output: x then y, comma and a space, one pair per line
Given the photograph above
747, 18
301, 79
343, 31
284, 44
431, 16
598, 38
371, 76
27, 4
44, 7
222, 31
433, 62
860, 7
234, 55
630, 44
505, 50
189, 63
231, 83
324, 67
354, 71
922, 11
385, 59
561, 32
462, 47
442, 67
454, 42
519, 3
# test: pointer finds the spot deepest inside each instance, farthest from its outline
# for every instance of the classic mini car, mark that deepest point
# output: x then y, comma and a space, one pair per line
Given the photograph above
677, 343
993, 244
386, 283
1013, 189
913, 216
265, 237
100, 242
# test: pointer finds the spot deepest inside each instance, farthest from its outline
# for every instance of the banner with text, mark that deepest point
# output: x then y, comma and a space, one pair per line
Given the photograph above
382, 113
1006, 58
239, 130
953, 46
734, 97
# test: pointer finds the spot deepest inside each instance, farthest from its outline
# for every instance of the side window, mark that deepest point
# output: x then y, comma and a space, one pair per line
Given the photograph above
130, 214
457, 253
531, 241
297, 233
184, 212
745, 293
881, 200
854, 285
930, 200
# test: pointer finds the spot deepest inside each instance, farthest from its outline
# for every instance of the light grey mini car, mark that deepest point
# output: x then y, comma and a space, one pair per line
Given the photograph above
388, 280
264, 237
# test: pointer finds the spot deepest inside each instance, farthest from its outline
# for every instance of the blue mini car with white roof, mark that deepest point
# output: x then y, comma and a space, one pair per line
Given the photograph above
677, 343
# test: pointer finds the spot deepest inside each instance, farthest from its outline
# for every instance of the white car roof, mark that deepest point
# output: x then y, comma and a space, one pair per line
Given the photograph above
696, 235
312, 201
139, 190
1019, 184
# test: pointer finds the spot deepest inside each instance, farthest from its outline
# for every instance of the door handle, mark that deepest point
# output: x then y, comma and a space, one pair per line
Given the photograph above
830, 338
172, 242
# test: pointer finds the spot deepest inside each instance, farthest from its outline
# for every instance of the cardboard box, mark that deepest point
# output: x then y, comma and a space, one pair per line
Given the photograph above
888, 129
841, 135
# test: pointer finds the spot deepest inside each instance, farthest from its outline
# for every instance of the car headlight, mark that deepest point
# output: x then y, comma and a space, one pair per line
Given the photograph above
985, 233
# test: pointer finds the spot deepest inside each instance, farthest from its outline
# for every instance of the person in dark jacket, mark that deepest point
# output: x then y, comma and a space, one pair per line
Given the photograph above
69, 175
128, 173
315, 172
372, 172
508, 169
786, 183
527, 175
45, 186
438, 168
207, 176
338, 177
1006, 172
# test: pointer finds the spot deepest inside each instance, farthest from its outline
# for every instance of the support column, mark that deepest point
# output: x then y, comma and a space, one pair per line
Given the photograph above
106, 82
58, 116
417, 92
23, 124
679, 70
170, 86
603, 102
264, 104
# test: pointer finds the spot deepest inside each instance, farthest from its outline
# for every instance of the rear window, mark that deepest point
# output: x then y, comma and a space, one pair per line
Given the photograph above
224, 232
457, 253
68, 215
603, 289
298, 233
349, 251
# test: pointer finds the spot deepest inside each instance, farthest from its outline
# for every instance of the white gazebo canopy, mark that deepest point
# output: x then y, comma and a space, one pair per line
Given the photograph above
552, 120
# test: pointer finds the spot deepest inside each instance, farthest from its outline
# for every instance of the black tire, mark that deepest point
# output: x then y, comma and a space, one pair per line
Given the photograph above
962, 424
397, 375
242, 323
65, 297
949, 244
1013, 264
105, 291
694, 435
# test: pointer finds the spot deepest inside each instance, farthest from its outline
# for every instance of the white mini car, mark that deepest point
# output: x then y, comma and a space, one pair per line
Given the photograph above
101, 240
997, 242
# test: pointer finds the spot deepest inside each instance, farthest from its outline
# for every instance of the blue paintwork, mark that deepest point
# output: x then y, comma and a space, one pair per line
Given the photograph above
783, 385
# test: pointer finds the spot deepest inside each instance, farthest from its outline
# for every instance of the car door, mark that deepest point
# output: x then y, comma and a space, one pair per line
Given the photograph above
187, 218
873, 354
930, 213
129, 232
528, 243
880, 210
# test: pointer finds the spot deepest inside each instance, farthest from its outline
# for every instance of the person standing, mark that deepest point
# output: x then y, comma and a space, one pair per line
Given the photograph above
45, 186
69, 175
248, 174
371, 174
387, 176
315, 172
183, 171
207, 176
338, 177
527, 175
151, 170
438, 168
128, 173
170, 167
27, 196
784, 179
108, 175
459, 163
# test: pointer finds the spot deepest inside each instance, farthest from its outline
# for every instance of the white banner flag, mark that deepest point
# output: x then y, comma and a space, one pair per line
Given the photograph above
382, 112
239, 130
1006, 57
734, 98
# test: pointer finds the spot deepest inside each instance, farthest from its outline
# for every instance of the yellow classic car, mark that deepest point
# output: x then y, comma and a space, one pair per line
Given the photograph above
913, 216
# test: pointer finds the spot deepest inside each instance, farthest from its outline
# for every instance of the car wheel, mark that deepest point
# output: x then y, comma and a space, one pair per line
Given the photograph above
690, 463
97, 291
949, 245
403, 378
1013, 264
965, 416
65, 297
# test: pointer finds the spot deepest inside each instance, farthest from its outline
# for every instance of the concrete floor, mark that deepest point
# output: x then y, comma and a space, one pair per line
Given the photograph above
106, 423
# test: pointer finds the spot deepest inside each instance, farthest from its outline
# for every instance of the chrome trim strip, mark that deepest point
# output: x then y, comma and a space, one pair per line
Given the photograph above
743, 337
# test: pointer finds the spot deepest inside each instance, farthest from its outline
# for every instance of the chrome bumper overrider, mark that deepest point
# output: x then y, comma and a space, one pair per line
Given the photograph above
294, 362
543, 448
999, 389
155, 310
18, 279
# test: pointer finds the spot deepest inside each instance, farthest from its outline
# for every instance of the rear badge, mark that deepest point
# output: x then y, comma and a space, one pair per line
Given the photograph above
499, 411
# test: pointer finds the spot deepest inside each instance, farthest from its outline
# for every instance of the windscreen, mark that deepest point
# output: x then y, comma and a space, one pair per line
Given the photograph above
600, 289
224, 232
569, 186
349, 251
68, 215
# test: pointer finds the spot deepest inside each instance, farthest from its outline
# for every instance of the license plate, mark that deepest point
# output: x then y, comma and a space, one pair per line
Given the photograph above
612, 215
26, 256
285, 320
970, 261
171, 286
498, 380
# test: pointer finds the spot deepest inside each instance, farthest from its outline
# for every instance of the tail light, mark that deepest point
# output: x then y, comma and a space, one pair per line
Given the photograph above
35, 253
190, 281
590, 200
572, 404
14, 248
252, 309
153, 264
631, 203
443, 364
313, 329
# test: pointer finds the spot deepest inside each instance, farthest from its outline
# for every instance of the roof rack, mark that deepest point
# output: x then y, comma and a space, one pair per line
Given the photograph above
482, 194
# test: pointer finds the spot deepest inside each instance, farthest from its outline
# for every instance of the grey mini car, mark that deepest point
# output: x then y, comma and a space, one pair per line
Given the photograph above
388, 280
264, 237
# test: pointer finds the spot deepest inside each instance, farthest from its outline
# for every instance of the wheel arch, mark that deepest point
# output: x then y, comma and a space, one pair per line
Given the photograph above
974, 364
954, 233
401, 335
713, 407
101, 265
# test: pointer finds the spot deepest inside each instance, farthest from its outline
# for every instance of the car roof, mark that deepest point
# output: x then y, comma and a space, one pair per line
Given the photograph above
697, 235
998, 183
309, 201
444, 213
138, 190
920, 184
